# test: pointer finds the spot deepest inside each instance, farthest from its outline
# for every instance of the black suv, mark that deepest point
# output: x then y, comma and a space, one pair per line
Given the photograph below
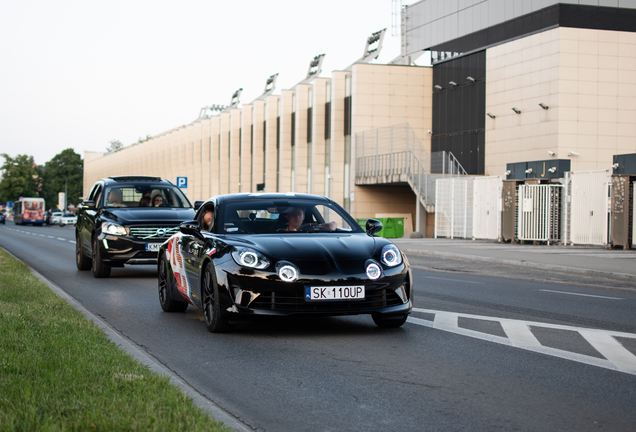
124, 221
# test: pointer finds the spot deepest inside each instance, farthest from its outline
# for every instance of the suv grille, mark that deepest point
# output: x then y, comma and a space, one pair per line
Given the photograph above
144, 233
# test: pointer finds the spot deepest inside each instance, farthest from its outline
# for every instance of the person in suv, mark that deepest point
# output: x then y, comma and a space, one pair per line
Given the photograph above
114, 229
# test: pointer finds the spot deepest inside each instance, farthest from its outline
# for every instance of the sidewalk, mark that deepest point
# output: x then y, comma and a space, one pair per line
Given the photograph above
587, 260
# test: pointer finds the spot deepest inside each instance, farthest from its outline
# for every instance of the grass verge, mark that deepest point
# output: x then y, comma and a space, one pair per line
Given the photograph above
58, 371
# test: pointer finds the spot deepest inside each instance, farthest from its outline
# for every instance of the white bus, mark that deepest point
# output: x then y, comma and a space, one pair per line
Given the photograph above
29, 211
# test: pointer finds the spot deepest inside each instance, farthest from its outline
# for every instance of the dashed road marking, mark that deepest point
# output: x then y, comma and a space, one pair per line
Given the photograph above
519, 334
40, 235
582, 295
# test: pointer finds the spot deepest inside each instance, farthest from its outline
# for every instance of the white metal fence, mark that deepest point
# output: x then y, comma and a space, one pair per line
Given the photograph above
539, 213
587, 212
454, 207
487, 195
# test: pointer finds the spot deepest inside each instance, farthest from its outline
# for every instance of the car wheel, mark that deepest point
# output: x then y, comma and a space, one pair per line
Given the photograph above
390, 321
100, 270
211, 306
81, 260
166, 281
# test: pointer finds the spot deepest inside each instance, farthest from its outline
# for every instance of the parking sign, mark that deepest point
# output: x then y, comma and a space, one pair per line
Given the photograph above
182, 182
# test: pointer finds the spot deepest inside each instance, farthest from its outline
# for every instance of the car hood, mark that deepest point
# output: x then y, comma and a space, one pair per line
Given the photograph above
150, 215
314, 246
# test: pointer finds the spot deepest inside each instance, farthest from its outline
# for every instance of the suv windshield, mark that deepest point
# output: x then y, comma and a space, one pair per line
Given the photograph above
283, 216
145, 195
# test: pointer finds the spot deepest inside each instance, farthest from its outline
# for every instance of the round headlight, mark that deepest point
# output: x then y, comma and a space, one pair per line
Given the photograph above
373, 271
391, 256
247, 257
288, 273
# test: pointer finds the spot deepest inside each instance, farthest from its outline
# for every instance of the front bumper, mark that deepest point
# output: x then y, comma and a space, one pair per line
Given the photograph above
250, 293
119, 250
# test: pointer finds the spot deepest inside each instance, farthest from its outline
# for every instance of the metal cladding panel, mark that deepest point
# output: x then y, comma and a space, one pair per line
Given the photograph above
509, 210
626, 164
459, 111
540, 169
620, 228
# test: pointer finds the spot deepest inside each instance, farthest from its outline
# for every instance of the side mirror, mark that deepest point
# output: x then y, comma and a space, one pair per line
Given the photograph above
373, 226
198, 204
89, 204
191, 227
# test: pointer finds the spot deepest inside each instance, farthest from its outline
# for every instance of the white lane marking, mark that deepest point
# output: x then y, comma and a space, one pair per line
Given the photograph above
51, 236
446, 279
617, 357
582, 295
519, 334
60, 238
446, 321
41, 235
71, 241
611, 349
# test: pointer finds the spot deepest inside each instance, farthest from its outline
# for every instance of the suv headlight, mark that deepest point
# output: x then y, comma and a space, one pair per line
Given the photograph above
391, 256
247, 257
114, 229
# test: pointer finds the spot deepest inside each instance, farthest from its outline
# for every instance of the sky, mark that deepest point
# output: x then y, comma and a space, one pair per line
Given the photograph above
78, 74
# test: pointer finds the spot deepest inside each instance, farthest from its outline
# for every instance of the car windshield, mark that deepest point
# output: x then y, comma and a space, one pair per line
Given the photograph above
145, 195
264, 216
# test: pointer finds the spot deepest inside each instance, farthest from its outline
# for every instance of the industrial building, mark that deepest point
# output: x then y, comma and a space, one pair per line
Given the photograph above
509, 82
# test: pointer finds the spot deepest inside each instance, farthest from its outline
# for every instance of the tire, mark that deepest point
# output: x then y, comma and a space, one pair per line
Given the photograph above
391, 321
211, 308
81, 260
166, 281
100, 270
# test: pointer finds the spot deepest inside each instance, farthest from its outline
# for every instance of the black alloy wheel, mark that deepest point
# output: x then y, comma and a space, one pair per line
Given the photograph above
81, 260
390, 321
166, 282
211, 307
100, 270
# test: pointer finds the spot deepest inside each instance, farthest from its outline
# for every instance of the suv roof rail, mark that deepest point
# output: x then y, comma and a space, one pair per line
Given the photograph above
134, 178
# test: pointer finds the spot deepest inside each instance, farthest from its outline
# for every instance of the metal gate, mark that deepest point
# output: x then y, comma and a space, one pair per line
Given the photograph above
539, 213
487, 202
454, 207
588, 207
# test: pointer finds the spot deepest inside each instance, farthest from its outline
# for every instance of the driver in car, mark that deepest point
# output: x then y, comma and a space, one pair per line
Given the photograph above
296, 217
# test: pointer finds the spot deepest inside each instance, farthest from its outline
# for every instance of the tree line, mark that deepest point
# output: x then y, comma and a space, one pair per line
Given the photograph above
21, 177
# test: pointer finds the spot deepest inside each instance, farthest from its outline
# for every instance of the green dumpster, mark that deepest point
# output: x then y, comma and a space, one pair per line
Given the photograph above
391, 227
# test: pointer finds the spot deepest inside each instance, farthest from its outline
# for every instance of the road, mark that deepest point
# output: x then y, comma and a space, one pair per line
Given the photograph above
487, 348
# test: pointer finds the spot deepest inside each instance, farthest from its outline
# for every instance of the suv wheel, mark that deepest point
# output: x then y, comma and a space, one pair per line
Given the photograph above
81, 260
100, 270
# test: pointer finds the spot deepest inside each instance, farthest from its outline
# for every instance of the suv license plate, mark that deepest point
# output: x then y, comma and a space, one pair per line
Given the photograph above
152, 247
334, 293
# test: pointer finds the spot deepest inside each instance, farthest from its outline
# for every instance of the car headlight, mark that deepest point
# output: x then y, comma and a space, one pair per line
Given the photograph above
247, 257
391, 256
115, 229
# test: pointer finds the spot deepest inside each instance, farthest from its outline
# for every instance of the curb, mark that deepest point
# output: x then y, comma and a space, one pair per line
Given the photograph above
215, 412
540, 266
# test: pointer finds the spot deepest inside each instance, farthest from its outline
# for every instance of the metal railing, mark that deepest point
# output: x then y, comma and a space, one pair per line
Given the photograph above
394, 154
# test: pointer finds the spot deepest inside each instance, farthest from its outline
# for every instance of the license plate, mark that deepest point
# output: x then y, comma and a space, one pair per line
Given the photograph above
334, 293
153, 247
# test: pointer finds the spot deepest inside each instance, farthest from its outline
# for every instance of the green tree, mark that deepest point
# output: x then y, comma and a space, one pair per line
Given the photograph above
20, 178
65, 172
115, 145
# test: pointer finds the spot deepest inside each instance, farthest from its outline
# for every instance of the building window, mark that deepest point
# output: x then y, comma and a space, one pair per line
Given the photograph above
310, 107
347, 144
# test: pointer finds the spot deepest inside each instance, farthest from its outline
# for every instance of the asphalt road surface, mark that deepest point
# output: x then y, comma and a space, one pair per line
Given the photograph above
487, 348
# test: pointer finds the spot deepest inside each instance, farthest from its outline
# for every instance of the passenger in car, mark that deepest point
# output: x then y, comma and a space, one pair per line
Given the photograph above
144, 201
157, 201
207, 220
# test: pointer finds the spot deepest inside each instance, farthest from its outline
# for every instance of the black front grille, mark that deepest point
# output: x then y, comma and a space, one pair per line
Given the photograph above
295, 302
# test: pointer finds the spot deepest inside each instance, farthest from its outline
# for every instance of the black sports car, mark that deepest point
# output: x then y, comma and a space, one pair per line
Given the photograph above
282, 254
